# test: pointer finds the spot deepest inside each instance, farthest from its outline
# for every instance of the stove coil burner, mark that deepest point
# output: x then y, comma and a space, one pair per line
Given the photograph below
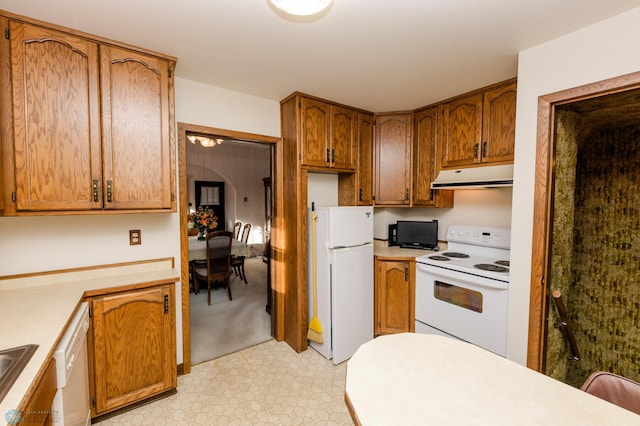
490, 267
438, 257
502, 263
456, 255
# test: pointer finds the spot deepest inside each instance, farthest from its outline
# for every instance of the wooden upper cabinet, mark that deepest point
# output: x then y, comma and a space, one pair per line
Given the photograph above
499, 131
365, 159
393, 158
343, 137
315, 117
462, 124
328, 135
91, 124
135, 129
425, 168
56, 119
479, 128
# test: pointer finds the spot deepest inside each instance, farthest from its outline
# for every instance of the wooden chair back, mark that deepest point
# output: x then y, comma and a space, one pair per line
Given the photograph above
245, 233
236, 230
219, 255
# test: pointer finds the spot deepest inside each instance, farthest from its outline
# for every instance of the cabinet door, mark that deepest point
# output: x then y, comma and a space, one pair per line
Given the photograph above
499, 130
135, 129
365, 159
133, 350
425, 164
38, 409
395, 296
393, 159
315, 133
343, 138
56, 119
462, 130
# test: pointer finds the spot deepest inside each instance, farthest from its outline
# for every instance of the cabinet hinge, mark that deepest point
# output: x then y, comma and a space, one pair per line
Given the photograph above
93, 402
166, 304
13, 197
90, 312
169, 73
406, 273
7, 33
173, 196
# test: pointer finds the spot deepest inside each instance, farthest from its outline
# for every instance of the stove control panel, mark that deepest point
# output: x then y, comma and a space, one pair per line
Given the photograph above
480, 236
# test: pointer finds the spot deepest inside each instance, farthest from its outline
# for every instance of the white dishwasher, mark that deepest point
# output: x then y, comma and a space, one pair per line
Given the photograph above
71, 405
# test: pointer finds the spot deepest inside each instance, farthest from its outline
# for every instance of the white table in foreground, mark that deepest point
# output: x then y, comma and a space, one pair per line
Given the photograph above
411, 379
198, 249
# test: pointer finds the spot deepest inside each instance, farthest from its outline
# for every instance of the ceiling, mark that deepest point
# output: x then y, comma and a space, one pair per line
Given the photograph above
373, 54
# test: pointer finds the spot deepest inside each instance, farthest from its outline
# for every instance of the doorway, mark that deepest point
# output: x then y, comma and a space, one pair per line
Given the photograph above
585, 210
187, 202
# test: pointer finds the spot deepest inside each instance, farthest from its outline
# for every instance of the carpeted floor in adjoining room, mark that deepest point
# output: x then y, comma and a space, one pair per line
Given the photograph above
227, 326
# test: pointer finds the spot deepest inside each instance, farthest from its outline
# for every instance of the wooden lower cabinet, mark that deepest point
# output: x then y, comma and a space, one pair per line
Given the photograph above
38, 410
132, 347
394, 296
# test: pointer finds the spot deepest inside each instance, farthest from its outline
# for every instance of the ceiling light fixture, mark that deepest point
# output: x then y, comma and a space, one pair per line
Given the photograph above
205, 141
301, 7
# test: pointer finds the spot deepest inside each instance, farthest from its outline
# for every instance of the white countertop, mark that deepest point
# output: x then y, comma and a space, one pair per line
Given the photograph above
36, 310
382, 249
411, 379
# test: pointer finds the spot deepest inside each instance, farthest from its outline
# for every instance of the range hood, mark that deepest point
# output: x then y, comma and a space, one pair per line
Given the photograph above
475, 177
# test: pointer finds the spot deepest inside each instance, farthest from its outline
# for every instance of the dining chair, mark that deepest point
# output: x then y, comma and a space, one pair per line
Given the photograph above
217, 267
615, 389
236, 230
237, 262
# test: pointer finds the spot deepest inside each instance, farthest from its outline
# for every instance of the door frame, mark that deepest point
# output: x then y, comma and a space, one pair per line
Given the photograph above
543, 202
277, 309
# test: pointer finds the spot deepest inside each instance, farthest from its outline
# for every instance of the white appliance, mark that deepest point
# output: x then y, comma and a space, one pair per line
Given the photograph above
344, 272
463, 292
71, 402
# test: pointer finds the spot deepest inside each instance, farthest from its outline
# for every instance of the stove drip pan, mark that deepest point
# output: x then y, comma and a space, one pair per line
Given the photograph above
491, 267
456, 255
438, 257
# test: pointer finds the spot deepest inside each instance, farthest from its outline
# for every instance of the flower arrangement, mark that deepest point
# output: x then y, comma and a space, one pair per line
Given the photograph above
204, 220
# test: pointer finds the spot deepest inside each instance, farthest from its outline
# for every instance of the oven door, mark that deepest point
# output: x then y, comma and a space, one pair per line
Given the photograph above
466, 306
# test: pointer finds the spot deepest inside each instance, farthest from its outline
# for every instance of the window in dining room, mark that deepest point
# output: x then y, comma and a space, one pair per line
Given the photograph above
210, 194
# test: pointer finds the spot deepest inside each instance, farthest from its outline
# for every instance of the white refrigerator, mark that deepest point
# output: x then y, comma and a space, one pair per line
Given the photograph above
344, 274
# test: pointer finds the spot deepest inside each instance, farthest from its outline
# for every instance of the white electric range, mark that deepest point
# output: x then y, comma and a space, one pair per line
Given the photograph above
462, 292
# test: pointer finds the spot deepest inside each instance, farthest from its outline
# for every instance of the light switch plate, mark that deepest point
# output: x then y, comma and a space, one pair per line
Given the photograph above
135, 237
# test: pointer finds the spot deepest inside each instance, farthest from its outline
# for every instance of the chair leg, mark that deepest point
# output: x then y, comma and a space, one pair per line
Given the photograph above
243, 275
208, 292
228, 282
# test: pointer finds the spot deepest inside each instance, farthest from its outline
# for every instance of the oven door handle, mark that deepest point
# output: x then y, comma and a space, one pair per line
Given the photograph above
463, 277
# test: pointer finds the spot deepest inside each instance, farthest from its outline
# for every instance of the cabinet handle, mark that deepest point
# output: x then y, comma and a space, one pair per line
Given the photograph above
109, 191
406, 194
328, 155
433, 194
166, 304
95, 190
406, 273
360, 195
333, 155
484, 149
475, 150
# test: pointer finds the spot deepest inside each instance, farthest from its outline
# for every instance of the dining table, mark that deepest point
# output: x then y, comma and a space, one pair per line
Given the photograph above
198, 248
418, 379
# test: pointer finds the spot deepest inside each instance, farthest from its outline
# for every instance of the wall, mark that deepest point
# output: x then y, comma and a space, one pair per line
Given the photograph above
32, 244
242, 166
600, 51
482, 207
